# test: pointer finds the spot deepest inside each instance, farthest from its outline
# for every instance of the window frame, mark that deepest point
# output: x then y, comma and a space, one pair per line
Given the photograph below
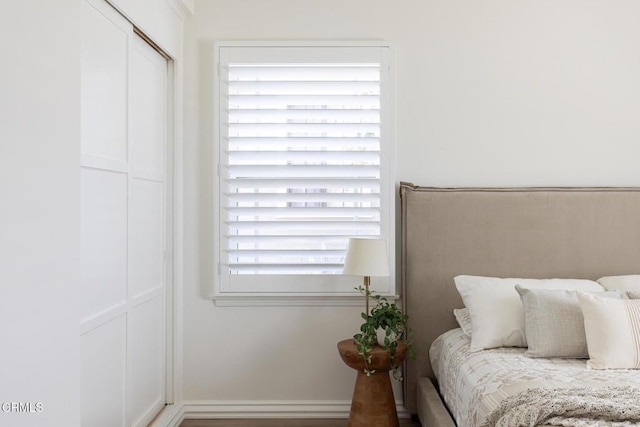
334, 289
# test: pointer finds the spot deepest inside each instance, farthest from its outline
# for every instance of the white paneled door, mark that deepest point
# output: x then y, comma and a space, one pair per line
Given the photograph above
124, 222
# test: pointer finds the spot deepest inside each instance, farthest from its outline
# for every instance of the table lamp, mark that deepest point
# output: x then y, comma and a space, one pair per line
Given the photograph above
366, 257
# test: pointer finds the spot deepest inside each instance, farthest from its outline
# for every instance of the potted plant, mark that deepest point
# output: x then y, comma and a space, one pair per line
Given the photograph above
385, 325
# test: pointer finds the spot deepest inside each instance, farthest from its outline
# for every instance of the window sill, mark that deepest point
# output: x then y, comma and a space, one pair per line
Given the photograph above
292, 300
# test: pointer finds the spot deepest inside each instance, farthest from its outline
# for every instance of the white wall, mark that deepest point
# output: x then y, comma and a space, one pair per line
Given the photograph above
40, 211
519, 93
493, 93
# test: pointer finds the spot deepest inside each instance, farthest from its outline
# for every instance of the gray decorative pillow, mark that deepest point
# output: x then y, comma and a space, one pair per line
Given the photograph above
633, 294
554, 324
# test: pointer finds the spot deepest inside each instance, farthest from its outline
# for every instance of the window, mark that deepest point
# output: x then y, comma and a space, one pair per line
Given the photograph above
303, 157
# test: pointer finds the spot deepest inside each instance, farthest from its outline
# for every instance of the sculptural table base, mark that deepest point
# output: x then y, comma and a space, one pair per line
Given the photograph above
373, 404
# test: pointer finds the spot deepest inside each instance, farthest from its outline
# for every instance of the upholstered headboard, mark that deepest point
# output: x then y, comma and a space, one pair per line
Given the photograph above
514, 232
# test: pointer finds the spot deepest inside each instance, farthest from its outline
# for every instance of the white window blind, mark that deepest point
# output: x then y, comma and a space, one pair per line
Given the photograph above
302, 163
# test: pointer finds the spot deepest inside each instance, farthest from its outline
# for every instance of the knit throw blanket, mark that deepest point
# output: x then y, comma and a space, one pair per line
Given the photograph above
578, 407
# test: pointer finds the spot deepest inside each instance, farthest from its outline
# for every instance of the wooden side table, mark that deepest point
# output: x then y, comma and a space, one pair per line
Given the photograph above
372, 404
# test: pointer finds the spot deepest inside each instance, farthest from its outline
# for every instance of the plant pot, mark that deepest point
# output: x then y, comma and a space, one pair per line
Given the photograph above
381, 333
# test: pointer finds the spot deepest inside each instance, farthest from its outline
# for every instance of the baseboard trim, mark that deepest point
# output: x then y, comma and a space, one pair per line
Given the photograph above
173, 415
221, 409
170, 416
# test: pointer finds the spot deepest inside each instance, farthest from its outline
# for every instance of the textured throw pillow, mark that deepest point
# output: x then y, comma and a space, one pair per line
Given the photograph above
612, 328
633, 295
626, 283
553, 322
497, 316
464, 320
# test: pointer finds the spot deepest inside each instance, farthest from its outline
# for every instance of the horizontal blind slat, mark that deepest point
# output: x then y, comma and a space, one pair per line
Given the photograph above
284, 129
290, 226
258, 157
256, 143
238, 268
330, 240
305, 102
298, 88
294, 171
302, 212
237, 73
285, 253
328, 183
309, 127
304, 115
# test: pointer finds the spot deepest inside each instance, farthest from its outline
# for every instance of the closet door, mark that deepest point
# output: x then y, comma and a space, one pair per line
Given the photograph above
123, 211
147, 225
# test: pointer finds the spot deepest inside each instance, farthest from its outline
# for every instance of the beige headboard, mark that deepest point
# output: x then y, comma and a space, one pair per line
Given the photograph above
526, 232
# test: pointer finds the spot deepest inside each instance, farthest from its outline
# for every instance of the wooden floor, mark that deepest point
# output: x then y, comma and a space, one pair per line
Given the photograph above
280, 423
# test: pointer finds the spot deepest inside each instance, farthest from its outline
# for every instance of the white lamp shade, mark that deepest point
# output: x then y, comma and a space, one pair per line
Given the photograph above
366, 257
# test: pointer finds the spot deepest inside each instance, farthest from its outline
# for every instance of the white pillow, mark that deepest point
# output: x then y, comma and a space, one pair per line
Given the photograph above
612, 328
464, 320
626, 283
497, 316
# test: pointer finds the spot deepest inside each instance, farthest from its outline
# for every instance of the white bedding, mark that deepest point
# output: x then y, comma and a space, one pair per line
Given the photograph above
473, 384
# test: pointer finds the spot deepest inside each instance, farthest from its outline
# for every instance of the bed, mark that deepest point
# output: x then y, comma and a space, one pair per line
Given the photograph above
582, 233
